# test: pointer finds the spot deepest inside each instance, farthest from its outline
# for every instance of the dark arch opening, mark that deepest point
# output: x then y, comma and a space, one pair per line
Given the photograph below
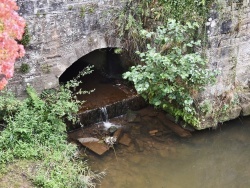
106, 78
105, 60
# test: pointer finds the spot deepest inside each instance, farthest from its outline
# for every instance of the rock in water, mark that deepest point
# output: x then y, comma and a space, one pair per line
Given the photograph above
112, 129
125, 140
94, 145
133, 117
90, 139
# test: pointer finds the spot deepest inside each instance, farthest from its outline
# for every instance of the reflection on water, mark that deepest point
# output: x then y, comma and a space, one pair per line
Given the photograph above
210, 158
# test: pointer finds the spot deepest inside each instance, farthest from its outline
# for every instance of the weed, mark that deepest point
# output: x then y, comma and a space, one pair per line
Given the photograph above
36, 131
26, 37
70, 7
45, 68
88, 9
82, 12
25, 68
118, 51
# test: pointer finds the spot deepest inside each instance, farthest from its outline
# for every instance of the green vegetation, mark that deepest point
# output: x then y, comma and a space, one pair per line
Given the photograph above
35, 130
24, 68
45, 68
169, 39
26, 37
118, 51
171, 73
148, 15
70, 7
88, 9
82, 12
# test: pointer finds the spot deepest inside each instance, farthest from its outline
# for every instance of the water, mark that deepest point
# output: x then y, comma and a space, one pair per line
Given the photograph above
210, 158
104, 113
106, 123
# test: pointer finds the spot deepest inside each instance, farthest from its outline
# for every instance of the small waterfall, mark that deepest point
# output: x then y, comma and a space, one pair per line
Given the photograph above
116, 109
104, 114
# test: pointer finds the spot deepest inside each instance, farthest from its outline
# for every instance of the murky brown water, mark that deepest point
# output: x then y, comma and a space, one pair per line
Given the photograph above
210, 158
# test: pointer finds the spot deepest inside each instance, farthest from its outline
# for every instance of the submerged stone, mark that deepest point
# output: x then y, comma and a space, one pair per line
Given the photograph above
174, 127
139, 145
96, 146
133, 117
118, 133
153, 132
125, 140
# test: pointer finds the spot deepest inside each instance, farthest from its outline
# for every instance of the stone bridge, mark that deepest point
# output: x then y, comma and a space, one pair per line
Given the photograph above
65, 30
62, 31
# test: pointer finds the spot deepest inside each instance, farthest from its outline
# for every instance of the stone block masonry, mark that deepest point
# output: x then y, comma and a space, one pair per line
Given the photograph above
62, 31
228, 31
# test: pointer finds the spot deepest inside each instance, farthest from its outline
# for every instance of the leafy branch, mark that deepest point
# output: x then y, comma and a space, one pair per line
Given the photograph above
172, 73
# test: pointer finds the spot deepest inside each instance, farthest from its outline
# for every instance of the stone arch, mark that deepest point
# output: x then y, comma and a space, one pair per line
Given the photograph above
107, 84
60, 35
104, 60
84, 47
69, 54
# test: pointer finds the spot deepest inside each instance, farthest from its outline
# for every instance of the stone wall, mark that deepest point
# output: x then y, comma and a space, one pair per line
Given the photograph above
228, 31
65, 30
62, 31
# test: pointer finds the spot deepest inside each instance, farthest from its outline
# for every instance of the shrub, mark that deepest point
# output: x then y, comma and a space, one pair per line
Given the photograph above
172, 73
35, 130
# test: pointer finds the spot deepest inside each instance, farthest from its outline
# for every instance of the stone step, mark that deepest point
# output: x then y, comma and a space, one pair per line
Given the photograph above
93, 116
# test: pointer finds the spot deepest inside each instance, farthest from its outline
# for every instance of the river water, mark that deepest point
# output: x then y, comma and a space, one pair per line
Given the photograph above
210, 158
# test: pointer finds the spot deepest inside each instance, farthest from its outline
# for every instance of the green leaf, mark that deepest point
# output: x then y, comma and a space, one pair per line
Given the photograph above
168, 79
